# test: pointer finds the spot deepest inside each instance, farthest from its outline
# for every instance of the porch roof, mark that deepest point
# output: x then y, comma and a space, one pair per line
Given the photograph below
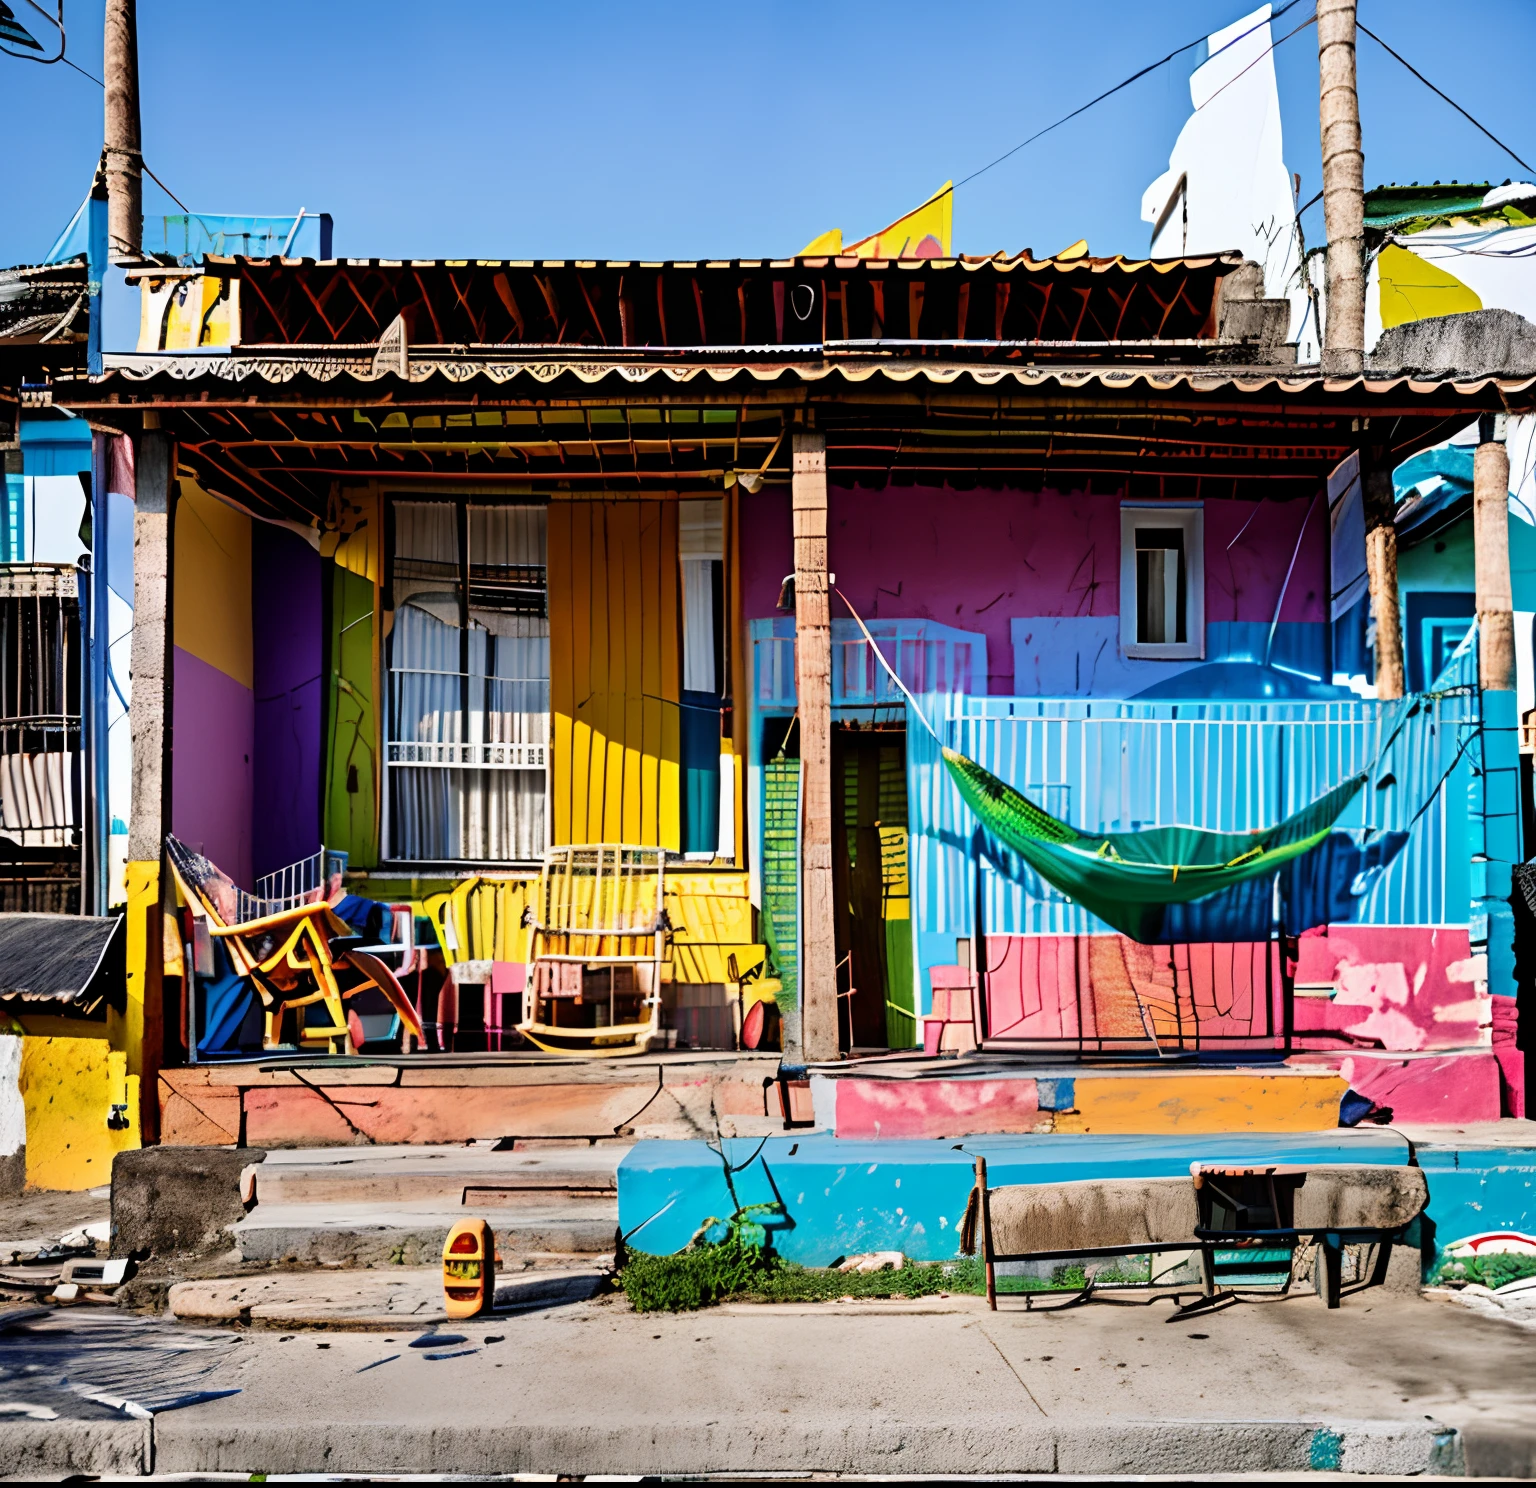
758, 303
272, 429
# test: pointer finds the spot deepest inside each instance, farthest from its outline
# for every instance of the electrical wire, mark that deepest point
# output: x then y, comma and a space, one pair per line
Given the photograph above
166, 189
83, 73
1119, 87
1446, 96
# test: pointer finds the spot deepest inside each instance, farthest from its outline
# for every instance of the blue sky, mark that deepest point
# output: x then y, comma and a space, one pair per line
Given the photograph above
471, 128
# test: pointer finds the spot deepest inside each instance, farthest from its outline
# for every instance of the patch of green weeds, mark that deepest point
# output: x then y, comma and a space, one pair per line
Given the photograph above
1491, 1271
741, 1267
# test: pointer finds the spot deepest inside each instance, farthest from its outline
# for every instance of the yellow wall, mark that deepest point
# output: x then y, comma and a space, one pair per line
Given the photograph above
126, 1029
1413, 289
711, 915
615, 683
212, 577
68, 1086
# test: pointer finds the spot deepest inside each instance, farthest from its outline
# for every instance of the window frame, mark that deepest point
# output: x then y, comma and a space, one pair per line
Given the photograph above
1190, 518
389, 858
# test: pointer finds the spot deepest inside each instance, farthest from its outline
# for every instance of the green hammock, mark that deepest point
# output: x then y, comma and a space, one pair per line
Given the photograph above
1126, 878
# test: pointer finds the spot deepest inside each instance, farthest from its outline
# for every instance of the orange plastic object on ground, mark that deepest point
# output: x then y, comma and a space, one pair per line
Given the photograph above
469, 1269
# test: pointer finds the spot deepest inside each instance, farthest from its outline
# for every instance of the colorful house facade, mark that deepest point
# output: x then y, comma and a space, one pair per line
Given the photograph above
455, 562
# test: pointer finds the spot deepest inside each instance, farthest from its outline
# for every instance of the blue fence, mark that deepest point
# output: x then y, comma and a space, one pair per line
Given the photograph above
928, 657
1124, 766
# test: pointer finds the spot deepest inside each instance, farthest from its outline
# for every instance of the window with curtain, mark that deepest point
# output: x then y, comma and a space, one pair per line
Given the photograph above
701, 551
468, 722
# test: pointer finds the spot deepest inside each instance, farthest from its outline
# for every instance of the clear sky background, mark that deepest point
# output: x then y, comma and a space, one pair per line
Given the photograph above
482, 128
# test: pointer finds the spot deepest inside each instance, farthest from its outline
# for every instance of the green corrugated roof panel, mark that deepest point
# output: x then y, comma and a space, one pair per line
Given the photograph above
1413, 208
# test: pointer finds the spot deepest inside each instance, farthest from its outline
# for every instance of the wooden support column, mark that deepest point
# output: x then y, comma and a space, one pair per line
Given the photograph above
1492, 879
149, 724
1495, 593
1381, 572
813, 690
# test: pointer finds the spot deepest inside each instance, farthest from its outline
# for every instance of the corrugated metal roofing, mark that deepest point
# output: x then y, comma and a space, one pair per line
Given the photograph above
71, 960
809, 366
1003, 263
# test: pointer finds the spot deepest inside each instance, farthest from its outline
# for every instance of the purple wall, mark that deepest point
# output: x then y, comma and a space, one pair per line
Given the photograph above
211, 765
976, 559
286, 624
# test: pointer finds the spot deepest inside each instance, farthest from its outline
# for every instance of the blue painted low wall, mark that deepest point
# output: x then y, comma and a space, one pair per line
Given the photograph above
1473, 1191
845, 1197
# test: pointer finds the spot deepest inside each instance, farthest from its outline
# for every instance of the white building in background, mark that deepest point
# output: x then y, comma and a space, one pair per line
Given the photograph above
1227, 185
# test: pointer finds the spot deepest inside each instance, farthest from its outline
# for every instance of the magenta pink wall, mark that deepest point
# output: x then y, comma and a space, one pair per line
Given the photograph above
975, 559
215, 722
1407, 987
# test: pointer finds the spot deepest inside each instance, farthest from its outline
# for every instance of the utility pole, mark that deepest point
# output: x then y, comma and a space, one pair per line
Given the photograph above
1343, 189
121, 138
1338, 112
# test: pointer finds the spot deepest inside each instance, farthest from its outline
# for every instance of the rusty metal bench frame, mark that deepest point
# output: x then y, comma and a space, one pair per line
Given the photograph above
1204, 1241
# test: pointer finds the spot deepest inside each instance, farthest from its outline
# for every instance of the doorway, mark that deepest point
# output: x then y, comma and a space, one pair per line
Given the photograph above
876, 1008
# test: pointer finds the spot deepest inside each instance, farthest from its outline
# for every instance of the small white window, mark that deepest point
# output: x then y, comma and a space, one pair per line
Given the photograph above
1162, 582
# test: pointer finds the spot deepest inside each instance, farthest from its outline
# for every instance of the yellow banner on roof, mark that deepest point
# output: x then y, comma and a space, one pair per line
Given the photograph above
923, 233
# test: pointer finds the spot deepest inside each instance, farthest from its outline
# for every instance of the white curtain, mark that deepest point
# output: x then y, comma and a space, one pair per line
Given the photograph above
468, 746
700, 548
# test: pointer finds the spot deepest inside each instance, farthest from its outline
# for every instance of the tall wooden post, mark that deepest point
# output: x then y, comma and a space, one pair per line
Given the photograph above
149, 726
1343, 188
121, 137
1490, 532
813, 690
1501, 735
1381, 570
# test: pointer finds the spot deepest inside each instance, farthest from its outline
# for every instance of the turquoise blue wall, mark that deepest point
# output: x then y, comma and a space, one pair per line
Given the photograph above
842, 1198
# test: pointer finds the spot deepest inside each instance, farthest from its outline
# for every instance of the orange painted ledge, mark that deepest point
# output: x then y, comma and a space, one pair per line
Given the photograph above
1237, 1102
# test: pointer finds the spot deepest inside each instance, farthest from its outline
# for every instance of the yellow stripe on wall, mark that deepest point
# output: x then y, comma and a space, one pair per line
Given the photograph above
615, 683
212, 580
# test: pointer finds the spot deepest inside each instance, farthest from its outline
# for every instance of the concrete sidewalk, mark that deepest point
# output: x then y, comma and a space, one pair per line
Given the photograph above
1387, 1385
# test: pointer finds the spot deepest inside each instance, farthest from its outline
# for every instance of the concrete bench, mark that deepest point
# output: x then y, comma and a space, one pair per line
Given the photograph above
1227, 1208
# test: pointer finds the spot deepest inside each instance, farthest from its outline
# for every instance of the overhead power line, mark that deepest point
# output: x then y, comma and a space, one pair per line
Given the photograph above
1135, 77
83, 73
1446, 96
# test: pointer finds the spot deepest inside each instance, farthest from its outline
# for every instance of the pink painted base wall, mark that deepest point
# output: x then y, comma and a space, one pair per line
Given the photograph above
1401, 988
1451, 1088
938, 1108
1101, 986
1397, 1011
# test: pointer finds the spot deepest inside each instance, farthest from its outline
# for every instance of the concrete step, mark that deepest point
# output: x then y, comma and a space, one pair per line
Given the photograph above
353, 1234
372, 1175
395, 1205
